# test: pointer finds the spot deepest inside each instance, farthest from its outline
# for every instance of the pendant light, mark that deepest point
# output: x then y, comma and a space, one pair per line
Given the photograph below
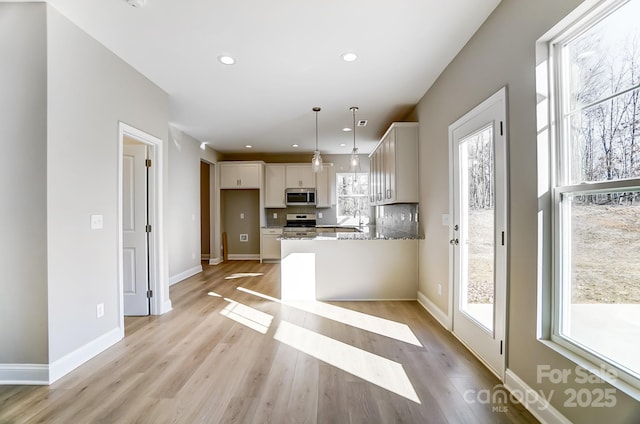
316, 161
354, 163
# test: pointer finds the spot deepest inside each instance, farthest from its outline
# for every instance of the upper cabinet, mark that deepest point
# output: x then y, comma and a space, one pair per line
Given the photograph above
323, 188
274, 186
240, 175
299, 176
394, 166
279, 176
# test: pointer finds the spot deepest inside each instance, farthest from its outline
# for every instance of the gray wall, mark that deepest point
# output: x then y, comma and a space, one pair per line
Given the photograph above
183, 202
501, 53
89, 91
232, 204
23, 168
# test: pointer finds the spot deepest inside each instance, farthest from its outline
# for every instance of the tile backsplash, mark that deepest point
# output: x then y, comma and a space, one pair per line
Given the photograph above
401, 217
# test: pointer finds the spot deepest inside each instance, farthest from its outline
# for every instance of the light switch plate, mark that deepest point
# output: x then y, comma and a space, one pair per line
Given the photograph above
97, 222
445, 219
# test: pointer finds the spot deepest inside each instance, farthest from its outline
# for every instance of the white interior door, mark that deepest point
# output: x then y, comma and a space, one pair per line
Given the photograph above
478, 231
135, 249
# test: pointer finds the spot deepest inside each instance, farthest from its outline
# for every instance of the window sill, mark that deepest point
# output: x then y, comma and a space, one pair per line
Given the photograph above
594, 369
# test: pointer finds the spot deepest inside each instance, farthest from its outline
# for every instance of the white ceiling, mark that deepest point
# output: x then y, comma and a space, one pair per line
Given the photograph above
288, 56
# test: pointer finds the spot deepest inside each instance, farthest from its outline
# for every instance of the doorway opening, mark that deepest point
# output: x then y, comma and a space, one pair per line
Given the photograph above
205, 212
148, 196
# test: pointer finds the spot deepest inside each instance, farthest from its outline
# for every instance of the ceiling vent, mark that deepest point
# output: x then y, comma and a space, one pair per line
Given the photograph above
362, 123
136, 3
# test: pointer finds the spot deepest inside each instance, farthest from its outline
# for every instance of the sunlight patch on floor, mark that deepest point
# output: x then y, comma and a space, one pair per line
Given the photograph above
242, 275
373, 324
375, 369
213, 294
247, 316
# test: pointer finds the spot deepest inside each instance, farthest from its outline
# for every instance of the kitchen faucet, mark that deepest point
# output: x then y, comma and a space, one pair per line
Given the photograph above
359, 213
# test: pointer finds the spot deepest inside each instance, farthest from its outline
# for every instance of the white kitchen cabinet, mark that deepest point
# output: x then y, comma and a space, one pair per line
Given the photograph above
274, 186
270, 244
389, 168
394, 165
239, 175
376, 176
323, 188
300, 176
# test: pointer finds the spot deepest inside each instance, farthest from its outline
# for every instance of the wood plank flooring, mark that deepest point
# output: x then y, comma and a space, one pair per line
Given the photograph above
230, 352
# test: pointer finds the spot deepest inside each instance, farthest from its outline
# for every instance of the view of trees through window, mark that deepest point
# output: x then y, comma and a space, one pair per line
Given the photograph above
599, 186
352, 192
478, 150
602, 77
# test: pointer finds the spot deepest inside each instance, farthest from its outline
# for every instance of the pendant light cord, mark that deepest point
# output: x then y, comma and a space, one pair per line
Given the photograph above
354, 109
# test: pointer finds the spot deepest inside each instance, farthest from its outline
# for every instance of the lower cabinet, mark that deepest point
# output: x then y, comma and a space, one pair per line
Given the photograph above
270, 244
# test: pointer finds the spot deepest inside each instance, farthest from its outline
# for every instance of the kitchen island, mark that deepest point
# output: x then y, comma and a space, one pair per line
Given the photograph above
367, 265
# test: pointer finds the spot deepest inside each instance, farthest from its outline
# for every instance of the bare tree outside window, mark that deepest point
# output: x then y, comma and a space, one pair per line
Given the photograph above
352, 192
598, 186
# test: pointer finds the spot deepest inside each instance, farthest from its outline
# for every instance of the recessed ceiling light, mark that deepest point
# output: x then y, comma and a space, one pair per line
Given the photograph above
342, 145
248, 146
347, 129
226, 60
295, 145
349, 57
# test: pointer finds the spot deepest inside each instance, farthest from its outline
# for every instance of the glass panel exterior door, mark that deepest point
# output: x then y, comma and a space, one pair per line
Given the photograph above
477, 226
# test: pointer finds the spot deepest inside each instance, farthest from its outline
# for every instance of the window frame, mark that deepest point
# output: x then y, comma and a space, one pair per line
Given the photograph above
338, 196
561, 186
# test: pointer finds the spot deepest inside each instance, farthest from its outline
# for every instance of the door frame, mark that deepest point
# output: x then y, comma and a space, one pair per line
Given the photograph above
156, 238
500, 96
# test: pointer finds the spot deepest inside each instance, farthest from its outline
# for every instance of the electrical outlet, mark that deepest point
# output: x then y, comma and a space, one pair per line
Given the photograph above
275, 215
99, 310
244, 237
242, 216
439, 289
320, 215
97, 222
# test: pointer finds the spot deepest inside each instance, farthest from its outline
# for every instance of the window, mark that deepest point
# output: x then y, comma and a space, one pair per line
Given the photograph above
596, 188
353, 198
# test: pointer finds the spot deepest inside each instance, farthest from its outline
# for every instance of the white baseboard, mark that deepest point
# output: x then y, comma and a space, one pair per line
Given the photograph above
24, 374
530, 399
166, 307
429, 306
215, 261
244, 257
184, 275
73, 360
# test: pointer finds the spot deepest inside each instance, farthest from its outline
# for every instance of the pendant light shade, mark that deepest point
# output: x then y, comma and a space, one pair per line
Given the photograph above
316, 161
354, 162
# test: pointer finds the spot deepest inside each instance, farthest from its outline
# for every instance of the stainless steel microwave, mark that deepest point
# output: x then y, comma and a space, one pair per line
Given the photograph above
300, 196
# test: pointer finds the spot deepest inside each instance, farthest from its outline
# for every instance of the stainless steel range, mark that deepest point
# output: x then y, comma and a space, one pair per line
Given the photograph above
300, 225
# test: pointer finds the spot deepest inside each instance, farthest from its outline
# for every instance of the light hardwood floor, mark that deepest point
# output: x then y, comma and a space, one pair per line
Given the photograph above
231, 352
